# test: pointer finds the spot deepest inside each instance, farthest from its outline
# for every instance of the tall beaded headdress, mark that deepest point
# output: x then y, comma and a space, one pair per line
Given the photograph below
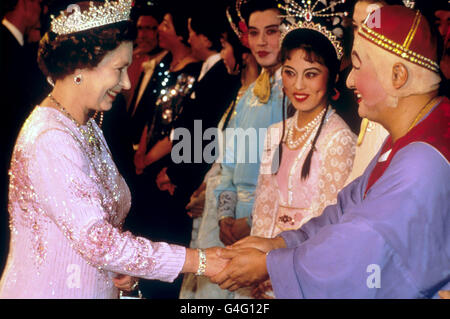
302, 14
96, 16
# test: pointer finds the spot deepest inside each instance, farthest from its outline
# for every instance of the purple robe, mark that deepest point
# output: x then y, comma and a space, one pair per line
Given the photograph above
394, 243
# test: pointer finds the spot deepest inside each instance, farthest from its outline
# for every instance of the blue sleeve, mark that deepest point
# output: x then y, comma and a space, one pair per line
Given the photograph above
395, 243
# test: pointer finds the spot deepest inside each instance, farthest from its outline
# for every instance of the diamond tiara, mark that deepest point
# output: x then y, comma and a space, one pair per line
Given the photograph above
76, 21
300, 16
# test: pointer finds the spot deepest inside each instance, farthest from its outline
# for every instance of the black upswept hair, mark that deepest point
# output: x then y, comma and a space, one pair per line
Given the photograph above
257, 5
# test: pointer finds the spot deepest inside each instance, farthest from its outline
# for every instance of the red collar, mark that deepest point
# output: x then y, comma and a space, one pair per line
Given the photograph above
433, 130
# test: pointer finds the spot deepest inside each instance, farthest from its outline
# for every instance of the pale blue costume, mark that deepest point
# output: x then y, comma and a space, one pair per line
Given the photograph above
232, 178
239, 175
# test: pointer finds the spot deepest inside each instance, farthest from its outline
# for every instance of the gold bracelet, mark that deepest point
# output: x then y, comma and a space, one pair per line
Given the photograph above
201, 262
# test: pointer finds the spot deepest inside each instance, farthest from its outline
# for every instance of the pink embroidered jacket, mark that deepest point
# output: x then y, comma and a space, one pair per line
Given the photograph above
67, 203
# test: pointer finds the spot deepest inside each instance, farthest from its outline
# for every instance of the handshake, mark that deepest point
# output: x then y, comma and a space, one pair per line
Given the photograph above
242, 264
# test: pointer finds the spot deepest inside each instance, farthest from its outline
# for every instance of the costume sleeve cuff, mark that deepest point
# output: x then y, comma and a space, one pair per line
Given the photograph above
227, 204
280, 266
293, 238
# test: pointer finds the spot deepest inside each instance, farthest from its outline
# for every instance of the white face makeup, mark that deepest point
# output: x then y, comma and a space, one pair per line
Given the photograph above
264, 36
368, 89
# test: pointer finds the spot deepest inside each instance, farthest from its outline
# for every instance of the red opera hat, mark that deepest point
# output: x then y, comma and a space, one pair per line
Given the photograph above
403, 32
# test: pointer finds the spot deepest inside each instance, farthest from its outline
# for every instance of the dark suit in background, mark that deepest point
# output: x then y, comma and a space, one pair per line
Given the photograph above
170, 222
22, 86
213, 95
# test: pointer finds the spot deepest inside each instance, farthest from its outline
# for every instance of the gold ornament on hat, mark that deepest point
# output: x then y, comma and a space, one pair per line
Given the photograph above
402, 50
95, 16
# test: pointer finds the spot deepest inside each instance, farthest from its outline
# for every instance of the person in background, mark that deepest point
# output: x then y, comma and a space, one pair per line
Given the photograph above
259, 107
153, 211
21, 88
308, 157
203, 205
201, 111
146, 46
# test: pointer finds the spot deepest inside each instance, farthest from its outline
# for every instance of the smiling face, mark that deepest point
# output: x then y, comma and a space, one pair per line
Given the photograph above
108, 78
264, 36
368, 89
305, 82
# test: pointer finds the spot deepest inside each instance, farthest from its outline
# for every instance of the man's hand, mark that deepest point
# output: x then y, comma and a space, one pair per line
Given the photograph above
163, 182
247, 267
444, 294
240, 228
226, 234
260, 243
214, 263
196, 205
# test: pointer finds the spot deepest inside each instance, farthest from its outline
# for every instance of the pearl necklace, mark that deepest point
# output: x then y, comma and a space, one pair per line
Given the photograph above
307, 129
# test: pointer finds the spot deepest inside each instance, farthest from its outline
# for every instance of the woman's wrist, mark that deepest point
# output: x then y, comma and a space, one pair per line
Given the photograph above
191, 261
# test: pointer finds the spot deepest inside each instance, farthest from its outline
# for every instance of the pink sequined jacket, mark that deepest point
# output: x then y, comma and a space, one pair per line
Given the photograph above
67, 203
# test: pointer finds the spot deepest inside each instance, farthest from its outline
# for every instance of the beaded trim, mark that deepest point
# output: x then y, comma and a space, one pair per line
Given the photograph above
396, 48
319, 28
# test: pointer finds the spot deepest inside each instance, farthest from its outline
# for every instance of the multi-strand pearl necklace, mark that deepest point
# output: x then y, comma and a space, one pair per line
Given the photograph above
307, 129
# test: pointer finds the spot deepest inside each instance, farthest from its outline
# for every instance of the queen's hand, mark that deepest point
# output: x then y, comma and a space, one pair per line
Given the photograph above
125, 282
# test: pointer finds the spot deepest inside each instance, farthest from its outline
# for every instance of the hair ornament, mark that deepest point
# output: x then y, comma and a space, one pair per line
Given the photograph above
302, 14
241, 28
